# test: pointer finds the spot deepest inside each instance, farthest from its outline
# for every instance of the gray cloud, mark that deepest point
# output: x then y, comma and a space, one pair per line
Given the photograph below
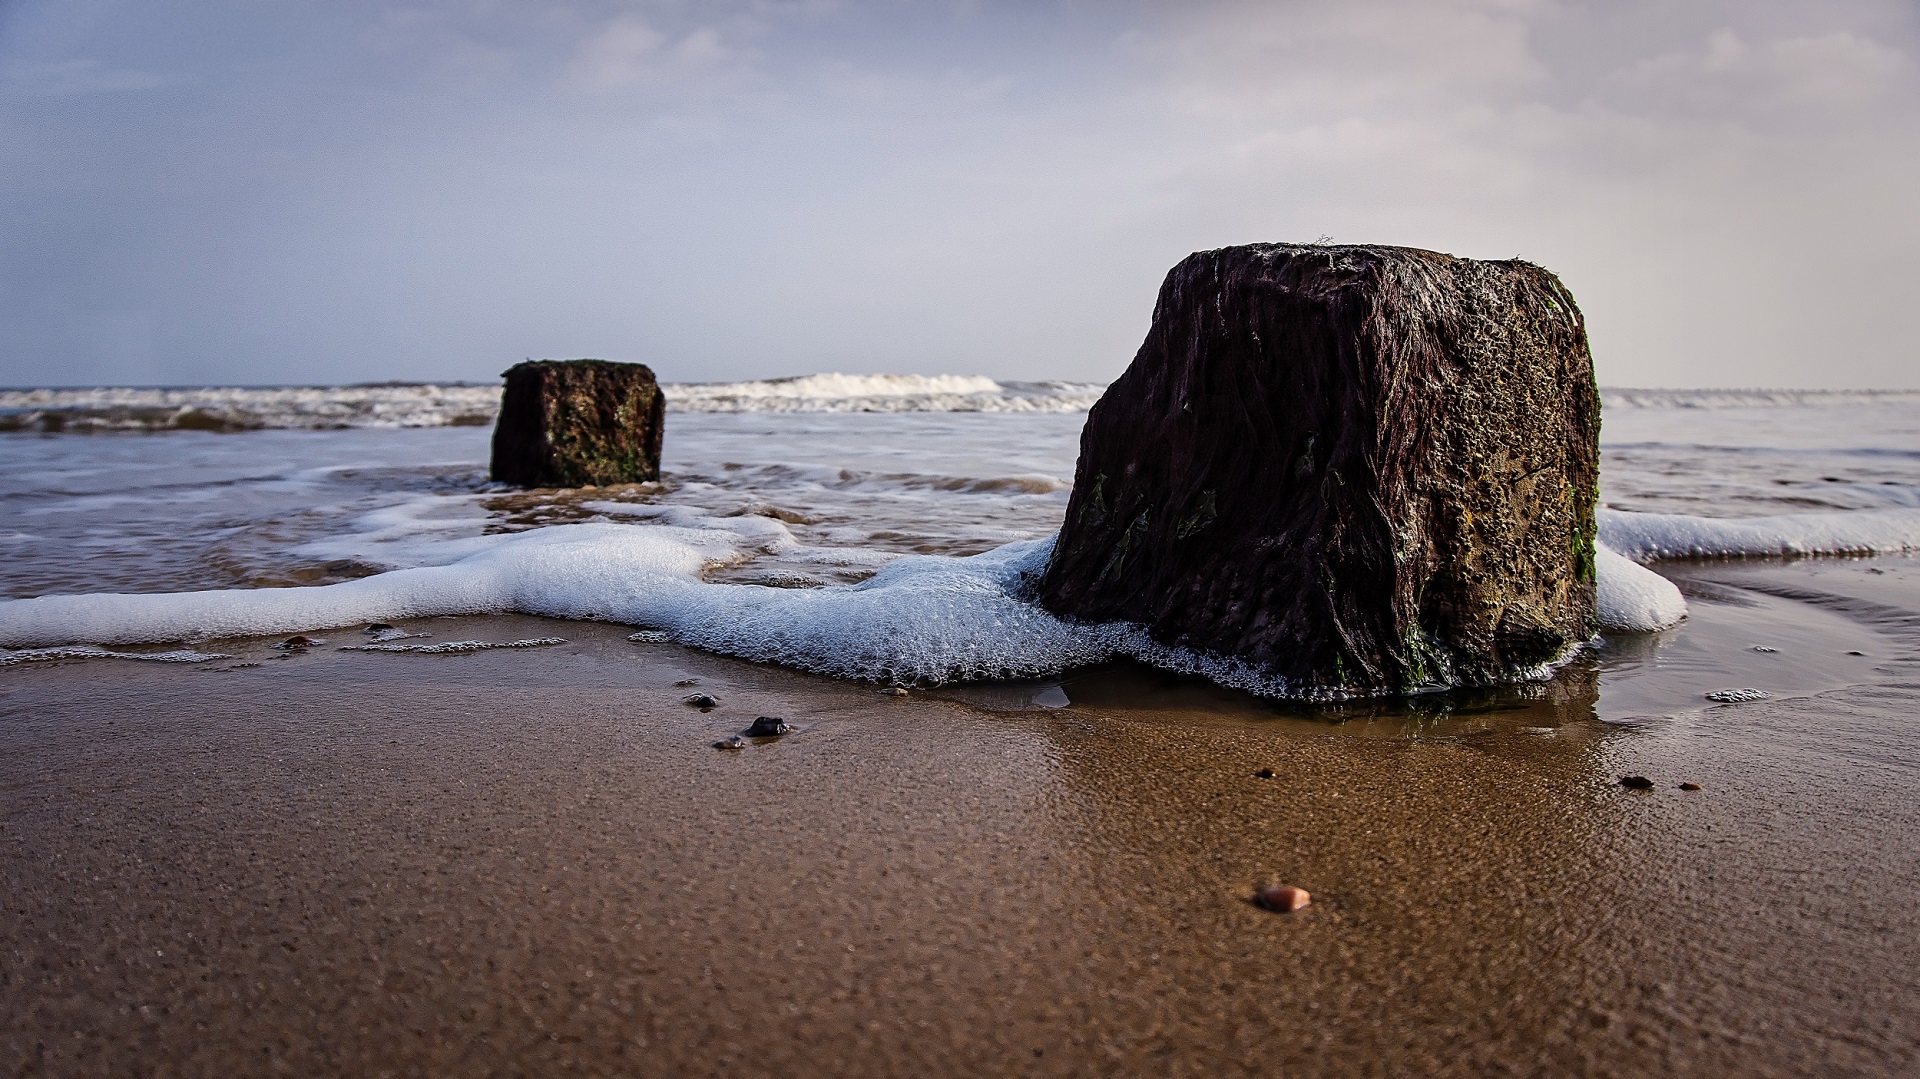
239, 191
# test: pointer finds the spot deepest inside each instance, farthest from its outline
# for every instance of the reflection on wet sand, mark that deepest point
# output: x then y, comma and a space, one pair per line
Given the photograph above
1448, 849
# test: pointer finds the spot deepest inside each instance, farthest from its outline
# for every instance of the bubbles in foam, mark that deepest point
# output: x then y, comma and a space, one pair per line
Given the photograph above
926, 618
456, 647
1634, 599
1649, 536
68, 652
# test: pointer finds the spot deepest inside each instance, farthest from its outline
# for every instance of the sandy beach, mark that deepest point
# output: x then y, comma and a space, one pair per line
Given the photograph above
533, 861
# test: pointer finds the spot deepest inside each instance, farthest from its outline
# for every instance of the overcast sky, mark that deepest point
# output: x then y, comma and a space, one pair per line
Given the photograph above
278, 191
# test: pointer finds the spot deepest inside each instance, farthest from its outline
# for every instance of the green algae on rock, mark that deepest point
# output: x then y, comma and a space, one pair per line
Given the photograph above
570, 423
1360, 469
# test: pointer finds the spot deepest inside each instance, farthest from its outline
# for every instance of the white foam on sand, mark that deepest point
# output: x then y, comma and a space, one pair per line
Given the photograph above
1646, 537
85, 651
1634, 599
918, 618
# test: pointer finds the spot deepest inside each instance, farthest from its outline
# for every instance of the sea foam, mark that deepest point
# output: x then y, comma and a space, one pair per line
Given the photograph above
1632, 598
919, 618
1647, 537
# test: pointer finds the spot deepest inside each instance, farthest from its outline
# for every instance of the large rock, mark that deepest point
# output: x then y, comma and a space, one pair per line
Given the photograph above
1356, 469
570, 423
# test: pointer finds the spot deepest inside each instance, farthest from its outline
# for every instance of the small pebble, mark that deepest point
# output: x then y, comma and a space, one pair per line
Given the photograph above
731, 741
376, 627
768, 727
1264, 773
1639, 783
894, 691
1283, 898
1764, 648
700, 700
1856, 653
298, 642
1689, 786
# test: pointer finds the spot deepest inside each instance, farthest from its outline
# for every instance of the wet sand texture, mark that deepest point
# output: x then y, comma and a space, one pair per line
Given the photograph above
530, 862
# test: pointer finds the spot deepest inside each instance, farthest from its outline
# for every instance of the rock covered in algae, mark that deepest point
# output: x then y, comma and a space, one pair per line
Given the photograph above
570, 423
1357, 470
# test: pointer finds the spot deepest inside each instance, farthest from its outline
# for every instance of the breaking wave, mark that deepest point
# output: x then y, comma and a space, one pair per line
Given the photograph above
245, 408
1621, 397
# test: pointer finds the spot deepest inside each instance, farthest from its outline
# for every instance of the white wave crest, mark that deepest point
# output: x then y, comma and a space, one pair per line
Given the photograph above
835, 385
247, 408
1621, 397
881, 393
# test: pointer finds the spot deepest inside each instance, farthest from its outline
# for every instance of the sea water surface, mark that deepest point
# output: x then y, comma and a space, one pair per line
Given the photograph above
863, 526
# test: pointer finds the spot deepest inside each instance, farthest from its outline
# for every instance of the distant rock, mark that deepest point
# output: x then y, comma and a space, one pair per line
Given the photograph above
574, 423
1355, 469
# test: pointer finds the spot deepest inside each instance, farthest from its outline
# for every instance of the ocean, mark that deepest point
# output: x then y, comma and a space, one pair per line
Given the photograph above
874, 527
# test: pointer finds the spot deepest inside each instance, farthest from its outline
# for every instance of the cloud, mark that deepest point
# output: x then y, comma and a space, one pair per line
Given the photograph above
622, 52
745, 187
1763, 83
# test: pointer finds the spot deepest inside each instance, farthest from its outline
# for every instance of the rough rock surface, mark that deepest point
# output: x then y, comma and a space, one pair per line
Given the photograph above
570, 423
1357, 469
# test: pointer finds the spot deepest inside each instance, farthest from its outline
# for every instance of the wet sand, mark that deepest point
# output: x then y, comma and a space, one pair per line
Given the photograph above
532, 861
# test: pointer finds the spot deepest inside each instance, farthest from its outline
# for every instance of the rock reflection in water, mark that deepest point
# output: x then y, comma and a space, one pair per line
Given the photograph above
1447, 842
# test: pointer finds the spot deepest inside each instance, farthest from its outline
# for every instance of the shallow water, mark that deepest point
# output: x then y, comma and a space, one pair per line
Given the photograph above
803, 493
192, 509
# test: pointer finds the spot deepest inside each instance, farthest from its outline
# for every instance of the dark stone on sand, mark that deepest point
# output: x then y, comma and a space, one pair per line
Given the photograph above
1689, 786
768, 727
572, 423
376, 627
731, 741
1639, 783
1264, 773
298, 643
1359, 470
700, 700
